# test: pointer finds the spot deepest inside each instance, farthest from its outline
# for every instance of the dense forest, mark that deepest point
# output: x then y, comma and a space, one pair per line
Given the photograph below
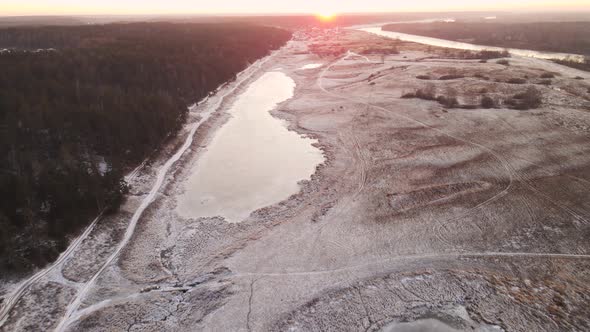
566, 37
75, 118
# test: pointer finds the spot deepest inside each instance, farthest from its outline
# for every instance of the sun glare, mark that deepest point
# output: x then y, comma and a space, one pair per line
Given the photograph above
326, 16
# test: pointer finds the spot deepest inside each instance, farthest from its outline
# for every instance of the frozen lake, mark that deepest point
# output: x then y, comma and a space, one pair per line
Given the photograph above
311, 66
253, 160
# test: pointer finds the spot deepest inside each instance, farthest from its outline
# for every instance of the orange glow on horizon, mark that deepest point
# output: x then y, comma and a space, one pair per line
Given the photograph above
324, 10
326, 16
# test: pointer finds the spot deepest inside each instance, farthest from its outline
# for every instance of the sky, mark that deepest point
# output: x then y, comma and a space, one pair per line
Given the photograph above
127, 7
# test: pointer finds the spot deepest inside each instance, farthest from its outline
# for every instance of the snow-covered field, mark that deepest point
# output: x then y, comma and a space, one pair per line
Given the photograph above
419, 216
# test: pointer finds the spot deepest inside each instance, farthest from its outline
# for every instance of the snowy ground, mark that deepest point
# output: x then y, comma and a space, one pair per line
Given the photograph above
467, 219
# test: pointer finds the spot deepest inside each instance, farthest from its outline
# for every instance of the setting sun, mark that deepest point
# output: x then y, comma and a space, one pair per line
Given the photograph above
326, 16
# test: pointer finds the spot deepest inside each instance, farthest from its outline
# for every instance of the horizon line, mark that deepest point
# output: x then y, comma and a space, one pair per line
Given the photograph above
238, 14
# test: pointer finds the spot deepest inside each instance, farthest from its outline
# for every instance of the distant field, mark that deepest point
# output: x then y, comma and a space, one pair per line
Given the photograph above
566, 37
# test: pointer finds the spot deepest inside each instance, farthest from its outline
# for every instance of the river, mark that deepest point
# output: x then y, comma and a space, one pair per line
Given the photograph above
467, 46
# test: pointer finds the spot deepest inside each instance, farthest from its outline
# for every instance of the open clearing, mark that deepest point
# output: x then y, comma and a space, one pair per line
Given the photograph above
420, 216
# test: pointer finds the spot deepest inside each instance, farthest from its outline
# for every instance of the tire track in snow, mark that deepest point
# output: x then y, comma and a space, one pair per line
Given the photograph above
439, 224
512, 173
16, 295
414, 258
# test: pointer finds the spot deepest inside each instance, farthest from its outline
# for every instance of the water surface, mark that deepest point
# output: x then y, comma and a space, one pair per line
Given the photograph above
467, 46
312, 66
253, 160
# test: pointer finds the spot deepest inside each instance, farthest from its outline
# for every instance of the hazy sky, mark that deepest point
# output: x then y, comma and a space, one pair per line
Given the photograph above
37, 7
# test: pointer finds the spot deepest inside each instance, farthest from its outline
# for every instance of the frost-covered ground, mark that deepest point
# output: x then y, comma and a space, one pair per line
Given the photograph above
466, 219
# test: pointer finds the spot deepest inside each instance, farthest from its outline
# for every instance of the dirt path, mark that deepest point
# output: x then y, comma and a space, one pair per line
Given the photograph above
11, 300
161, 177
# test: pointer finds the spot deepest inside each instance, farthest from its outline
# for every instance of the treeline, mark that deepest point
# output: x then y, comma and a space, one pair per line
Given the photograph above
565, 37
583, 65
73, 120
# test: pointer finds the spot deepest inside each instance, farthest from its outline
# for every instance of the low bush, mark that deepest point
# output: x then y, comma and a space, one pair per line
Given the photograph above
450, 77
529, 99
482, 76
516, 81
423, 77
473, 55
503, 62
511, 102
584, 65
487, 102
486, 55
547, 75
545, 82
425, 94
448, 101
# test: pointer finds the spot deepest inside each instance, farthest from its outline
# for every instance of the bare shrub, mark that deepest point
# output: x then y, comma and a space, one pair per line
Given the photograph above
471, 55
448, 102
423, 94
529, 99
428, 92
486, 54
516, 81
488, 102
547, 75
450, 77
503, 62
481, 76
383, 50
584, 65
449, 99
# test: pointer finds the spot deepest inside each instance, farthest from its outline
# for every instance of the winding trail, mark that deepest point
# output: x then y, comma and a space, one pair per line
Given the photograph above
161, 176
16, 295
255, 276
414, 258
